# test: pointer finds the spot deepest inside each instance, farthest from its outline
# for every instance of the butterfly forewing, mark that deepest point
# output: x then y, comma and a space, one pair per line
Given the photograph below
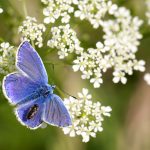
31, 64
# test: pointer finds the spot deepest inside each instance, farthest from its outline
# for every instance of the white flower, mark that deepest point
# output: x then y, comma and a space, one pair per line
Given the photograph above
96, 126
89, 121
119, 76
1, 10
147, 78
86, 135
85, 94
139, 65
97, 81
70, 131
5, 45
65, 18
100, 45
80, 64
86, 74
30, 30
106, 110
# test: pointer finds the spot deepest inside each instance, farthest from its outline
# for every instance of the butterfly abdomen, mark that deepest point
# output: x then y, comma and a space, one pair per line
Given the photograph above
32, 111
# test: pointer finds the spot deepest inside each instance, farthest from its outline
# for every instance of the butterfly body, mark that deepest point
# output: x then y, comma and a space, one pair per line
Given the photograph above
42, 91
29, 91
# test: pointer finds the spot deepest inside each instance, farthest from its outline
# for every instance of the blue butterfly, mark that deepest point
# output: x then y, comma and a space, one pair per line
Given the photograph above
29, 91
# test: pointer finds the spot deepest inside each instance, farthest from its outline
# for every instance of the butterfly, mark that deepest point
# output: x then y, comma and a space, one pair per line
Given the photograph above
29, 91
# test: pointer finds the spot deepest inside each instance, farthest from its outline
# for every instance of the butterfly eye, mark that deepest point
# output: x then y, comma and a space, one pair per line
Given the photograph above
53, 86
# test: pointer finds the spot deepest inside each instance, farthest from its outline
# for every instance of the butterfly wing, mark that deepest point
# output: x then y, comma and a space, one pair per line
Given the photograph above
55, 112
17, 87
30, 114
31, 64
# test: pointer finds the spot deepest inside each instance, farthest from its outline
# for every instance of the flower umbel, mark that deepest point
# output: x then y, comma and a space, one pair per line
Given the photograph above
31, 30
65, 40
87, 116
121, 40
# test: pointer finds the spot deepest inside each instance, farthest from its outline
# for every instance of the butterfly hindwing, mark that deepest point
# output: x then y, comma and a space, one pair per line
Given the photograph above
30, 114
31, 64
55, 112
17, 87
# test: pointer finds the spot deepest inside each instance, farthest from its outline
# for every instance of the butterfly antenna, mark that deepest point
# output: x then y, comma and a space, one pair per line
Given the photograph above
59, 89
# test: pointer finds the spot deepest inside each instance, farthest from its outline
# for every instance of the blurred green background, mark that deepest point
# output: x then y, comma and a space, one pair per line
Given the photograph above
128, 128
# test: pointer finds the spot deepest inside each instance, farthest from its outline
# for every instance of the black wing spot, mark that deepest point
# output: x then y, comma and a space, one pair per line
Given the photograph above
32, 111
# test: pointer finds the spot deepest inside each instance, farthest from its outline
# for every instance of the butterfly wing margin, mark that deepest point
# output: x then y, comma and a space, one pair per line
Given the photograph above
22, 111
56, 113
29, 62
16, 87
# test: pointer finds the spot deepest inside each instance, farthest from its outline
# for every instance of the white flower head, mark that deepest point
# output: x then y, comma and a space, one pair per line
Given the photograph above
118, 51
65, 40
31, 30
86, 115
121, 40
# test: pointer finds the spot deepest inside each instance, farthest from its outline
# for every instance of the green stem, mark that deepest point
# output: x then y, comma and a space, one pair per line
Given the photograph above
57, 63
32, 44
25, 8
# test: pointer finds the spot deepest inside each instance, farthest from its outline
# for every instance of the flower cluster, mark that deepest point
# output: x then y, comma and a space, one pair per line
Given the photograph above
94, 10
65, 40
7, 58
147, 78
57, 8
87, 116
1, 10
30, 30
121, 39
148, 10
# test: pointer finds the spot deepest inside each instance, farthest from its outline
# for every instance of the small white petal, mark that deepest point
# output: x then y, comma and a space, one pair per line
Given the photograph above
1, 10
